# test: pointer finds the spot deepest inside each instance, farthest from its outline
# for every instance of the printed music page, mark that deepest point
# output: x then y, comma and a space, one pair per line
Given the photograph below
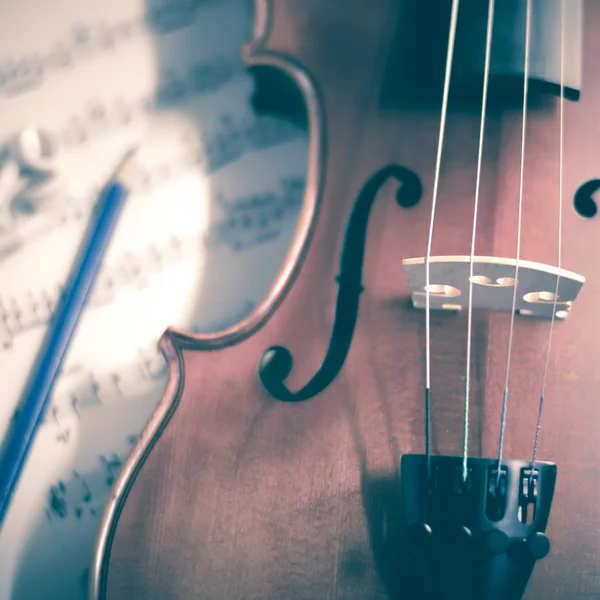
200, 240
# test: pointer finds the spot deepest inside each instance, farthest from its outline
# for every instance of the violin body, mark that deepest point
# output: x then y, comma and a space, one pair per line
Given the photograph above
231, 492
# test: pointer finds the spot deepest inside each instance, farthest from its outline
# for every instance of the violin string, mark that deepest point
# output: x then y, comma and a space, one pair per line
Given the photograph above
486, 73
449, 55
516, 281
560, 211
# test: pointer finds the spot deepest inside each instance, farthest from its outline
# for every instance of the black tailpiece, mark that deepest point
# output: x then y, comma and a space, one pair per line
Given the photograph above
477, 540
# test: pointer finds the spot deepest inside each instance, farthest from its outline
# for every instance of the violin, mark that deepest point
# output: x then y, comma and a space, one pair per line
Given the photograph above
411, 411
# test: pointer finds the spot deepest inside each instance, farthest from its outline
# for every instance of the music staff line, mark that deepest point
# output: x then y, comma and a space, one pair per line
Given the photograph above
247, 221
224, 143
72, 209
75, 498
84, 496
229, 143
21, 314
79, 391
84, 41
255, 219
99, 118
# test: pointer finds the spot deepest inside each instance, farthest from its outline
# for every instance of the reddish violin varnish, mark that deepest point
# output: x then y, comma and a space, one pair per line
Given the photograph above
230, 493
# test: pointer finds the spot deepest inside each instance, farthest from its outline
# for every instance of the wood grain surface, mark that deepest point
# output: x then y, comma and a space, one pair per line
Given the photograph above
232, 494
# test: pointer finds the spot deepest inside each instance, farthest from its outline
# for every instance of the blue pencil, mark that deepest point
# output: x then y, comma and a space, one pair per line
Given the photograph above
61, 329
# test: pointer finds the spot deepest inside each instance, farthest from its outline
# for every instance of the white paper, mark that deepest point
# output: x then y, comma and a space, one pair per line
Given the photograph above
200, 239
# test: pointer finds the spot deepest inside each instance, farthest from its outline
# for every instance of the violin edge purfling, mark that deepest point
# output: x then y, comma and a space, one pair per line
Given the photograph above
174, 340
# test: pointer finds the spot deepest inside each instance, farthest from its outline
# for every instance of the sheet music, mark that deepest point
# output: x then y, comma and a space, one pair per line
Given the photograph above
200, 240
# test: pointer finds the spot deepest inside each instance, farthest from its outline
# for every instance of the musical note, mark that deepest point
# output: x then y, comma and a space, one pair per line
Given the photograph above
86, 495
80, 389
112, 465
71, 499
57, 503
85, 394
82, 42
154, 366
85, 41
124, 382
254, 219
5, 332
80, 495
63, 435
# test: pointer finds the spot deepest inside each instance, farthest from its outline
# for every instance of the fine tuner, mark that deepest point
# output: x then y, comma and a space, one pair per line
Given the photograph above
363, 435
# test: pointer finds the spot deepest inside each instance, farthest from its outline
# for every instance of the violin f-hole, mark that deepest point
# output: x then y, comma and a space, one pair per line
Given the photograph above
277, 362
583, 202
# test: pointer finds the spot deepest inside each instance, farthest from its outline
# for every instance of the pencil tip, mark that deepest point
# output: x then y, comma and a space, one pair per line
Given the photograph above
126, 170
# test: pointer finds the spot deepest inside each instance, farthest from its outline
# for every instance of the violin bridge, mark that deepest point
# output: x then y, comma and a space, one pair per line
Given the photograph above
493, 285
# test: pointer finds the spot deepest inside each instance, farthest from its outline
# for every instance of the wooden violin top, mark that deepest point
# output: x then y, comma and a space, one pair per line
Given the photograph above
276, 473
